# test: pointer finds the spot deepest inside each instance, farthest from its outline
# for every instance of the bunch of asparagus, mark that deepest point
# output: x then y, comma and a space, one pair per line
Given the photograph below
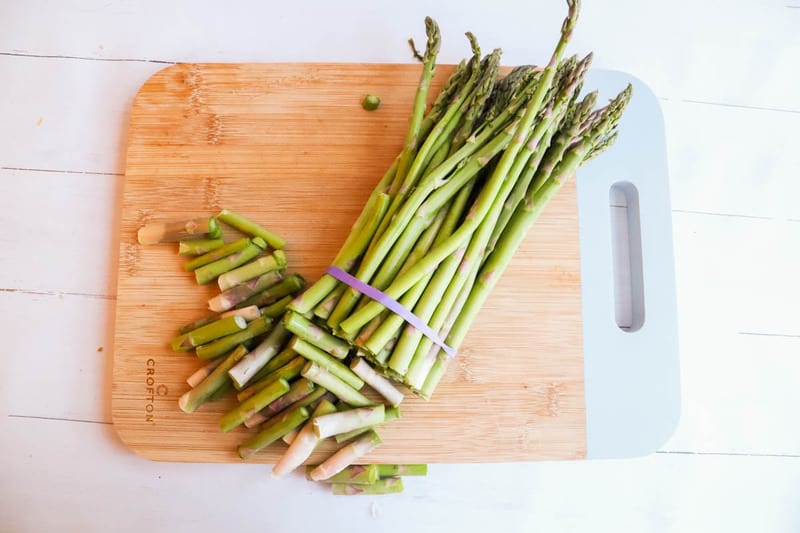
443, 223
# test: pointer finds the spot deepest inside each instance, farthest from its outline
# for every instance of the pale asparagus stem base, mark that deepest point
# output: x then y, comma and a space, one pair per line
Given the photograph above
391, 413
380, 384
195, 397
291, 285
312, 333
300, 389
354, 474
253, 269
210, 332
249, 227
245, 369
289, 437
165, 232
303, 443
326, 361
336, 423
346, 456
253, 405
339, 388
239, 293
389, 485
203, 372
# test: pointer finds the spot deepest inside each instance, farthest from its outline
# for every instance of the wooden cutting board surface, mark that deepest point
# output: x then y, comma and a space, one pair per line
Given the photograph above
289, 146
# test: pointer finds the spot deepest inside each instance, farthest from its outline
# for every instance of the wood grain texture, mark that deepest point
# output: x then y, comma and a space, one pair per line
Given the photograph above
289, 146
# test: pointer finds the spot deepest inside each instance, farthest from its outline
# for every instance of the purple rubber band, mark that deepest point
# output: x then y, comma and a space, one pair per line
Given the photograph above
391, 304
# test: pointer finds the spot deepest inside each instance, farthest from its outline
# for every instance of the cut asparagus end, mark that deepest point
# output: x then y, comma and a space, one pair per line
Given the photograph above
389, 485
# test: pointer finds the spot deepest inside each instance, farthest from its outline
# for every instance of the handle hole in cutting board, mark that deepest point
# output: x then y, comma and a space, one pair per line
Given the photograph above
626, 243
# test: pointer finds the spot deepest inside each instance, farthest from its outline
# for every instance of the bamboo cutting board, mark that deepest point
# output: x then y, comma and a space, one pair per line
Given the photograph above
289, 146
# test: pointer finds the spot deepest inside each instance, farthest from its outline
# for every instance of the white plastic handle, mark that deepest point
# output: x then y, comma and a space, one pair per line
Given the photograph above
631, 374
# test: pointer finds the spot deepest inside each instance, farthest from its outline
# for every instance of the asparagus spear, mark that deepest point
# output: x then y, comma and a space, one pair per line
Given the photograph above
381, 385
389, 485
254, 404
214, 349
288, 371
324, 309
214, 255
272, 431
290, 285
402, 470
162, 232
342, 390
307, 401
209, 272
253, 269
336, 423
208, 333
313, 334
248, 313
275, 310
329, 363
249, 227
353, 474
300, 389
303, 443
195, 397
199, 246
245, 369
346, 456
237, 294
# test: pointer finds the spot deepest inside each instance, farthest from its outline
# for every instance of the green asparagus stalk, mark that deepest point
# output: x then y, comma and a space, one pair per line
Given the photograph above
239, 293
353, 474
389, 485
324, 309
221, 391
307, 401
164, 232
208, 333
199, 246
380, 384
248, 313
195, 397
272, 431
402, 470
214, 349
322, 377
300, 389
288, 286
303, 443
290, 370
248, 227
336, 423
326, 361
253, 405
207, 273
278, 308
391, 413
346, 456
313, 334
215, 255
285, 355
252, 270
203, 372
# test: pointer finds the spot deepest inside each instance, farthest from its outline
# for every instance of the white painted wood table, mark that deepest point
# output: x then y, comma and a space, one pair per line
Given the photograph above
727, 77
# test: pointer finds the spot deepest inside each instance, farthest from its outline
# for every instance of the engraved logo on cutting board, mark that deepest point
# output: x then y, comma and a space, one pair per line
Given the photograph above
152, 390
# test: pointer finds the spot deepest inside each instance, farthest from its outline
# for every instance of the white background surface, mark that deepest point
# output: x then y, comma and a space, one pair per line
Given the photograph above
727, 77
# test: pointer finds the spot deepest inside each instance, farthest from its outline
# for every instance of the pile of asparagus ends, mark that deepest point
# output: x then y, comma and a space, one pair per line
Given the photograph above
443, 223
